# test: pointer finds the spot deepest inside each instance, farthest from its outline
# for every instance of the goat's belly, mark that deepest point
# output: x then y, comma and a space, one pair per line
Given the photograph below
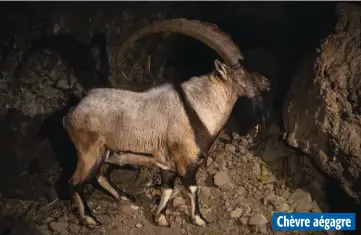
140, 160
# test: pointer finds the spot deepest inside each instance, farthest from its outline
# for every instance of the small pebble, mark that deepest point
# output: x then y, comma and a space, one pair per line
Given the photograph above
258, 219
236, 213
231, 148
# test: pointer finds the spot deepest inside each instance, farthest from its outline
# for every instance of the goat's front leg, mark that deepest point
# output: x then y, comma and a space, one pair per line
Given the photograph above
190, 183
167, 181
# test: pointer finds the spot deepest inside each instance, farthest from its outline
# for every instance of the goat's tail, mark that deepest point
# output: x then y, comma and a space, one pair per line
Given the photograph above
65, 118
64, 122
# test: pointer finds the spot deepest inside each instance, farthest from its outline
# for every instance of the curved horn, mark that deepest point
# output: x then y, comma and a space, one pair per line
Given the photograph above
207, 33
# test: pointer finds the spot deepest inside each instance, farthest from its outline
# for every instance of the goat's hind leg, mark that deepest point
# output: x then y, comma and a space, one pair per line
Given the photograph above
103, 179
168, 179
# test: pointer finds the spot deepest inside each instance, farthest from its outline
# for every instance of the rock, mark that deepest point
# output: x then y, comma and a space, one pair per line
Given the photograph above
222, 181
236, 213
301, 201
263, 229
221, 163
246, 208
59, 227
304, 205
138, 225
279, 204
244, 159
270, 188
282, 207
256, 169
230, 148
204, 193
209, 161
324, 105
244, 221
227, 187
74, 228
134, 207
270, 154
315, 207
258, 219
297, 195
127, 210
241, 190
235, 136
285, 194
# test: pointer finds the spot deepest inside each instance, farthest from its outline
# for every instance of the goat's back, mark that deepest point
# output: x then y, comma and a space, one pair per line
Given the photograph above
127, 120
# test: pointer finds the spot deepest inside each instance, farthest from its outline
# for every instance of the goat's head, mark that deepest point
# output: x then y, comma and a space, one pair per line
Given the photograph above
246, 84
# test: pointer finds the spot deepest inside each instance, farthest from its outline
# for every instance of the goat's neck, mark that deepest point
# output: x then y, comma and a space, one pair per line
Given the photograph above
212, 101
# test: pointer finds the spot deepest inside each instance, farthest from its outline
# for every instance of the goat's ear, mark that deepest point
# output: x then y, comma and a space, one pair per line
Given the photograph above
221, 69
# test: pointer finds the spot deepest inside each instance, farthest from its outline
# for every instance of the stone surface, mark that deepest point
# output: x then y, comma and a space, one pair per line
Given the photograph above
204, 193
59, 227
256, 169
231, 148
323, 95
279, 204
222, 180
236, 213
127, 209
301, 201
258, 219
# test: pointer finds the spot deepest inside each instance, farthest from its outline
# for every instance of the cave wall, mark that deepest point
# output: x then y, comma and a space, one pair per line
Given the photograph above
323, 107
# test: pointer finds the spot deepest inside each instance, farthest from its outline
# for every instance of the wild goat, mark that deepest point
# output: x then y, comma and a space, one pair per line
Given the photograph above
168, 126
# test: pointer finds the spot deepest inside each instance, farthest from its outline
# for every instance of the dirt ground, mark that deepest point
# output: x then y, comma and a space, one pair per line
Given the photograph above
239, 190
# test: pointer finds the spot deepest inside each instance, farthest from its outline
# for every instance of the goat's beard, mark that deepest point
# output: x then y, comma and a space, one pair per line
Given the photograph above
258, 107
257, 102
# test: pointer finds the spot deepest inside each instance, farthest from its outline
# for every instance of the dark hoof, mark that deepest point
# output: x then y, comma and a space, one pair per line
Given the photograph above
90, 222
199, 221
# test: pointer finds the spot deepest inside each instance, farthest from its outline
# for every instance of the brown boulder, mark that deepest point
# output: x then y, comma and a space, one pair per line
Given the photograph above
322, 108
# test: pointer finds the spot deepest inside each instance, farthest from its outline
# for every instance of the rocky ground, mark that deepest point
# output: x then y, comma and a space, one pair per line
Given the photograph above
239, 191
